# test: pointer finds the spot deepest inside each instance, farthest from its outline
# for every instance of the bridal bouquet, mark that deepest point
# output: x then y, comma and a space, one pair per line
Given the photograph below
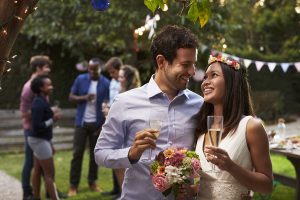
174, 167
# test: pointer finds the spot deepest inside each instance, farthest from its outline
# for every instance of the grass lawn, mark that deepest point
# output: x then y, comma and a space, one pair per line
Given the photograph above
12, 164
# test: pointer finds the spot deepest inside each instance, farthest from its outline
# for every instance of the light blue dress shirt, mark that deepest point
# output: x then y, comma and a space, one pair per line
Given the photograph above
114, 89
129, 114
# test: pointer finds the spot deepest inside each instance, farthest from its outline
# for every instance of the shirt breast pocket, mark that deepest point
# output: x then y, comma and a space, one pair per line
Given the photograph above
184, 133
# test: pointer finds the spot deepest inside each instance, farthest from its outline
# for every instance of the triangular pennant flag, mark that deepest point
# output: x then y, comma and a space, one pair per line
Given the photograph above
297, 65
285, 66
259, 65
271, 66
247, 62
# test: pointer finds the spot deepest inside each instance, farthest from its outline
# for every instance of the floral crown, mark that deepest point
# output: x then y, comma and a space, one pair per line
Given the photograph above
231, 63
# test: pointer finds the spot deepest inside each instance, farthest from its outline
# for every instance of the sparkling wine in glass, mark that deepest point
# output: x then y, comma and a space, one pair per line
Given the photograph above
214, 127
156, 120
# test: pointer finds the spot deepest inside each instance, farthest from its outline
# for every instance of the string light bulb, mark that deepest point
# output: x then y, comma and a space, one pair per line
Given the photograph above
4, 31
18, 17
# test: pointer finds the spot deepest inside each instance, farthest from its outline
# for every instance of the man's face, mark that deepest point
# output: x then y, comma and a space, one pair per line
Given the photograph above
45, 70
177, 74
94, 71
113, 73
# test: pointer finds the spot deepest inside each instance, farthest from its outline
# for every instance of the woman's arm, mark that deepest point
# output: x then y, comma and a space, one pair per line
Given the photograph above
260, 180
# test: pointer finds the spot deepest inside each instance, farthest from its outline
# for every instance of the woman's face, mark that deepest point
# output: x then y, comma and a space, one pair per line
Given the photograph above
213, 86
122, 78
47, 88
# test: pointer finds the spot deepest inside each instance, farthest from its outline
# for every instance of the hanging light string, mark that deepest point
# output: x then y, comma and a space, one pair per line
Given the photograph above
19, 12
16, 15
6, 61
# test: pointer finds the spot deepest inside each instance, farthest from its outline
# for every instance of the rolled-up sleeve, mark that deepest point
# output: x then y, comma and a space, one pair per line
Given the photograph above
109, 150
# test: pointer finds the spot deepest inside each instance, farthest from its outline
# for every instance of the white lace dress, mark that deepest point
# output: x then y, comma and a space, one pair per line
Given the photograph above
223, 186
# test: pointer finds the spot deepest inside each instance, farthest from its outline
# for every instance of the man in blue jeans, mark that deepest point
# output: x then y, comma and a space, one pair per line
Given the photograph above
89, 90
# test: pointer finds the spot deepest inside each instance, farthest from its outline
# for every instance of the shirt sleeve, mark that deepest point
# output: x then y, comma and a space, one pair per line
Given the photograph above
26, 99
74, 88
109, 150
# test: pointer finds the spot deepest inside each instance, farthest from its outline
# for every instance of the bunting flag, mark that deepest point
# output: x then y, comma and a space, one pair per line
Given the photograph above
247, 62
271, 66
258, 64
285, 66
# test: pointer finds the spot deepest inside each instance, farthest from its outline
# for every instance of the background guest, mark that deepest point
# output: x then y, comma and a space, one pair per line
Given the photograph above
41, 135
89, 90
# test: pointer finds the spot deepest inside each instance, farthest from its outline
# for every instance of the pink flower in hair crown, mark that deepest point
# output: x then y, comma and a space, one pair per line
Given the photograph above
231, 63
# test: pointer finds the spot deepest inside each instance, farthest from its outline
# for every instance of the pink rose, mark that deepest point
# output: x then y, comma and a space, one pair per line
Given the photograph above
160, 182
196, 167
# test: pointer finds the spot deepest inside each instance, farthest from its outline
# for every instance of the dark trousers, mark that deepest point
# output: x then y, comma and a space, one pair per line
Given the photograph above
116, 186
87, 131
27, 167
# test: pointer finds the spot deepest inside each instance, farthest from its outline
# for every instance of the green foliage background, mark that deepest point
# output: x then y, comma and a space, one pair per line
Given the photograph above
71, 31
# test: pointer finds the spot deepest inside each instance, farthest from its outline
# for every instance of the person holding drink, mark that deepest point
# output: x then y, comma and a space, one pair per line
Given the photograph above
242, 156
126, 137
89, 90
40, 138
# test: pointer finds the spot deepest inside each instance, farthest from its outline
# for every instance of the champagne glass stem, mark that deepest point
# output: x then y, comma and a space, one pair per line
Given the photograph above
150, 154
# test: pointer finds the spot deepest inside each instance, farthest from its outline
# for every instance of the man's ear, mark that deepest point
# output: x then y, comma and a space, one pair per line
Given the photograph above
161, 61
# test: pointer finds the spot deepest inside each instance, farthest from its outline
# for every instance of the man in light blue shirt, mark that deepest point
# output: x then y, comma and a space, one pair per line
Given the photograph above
113, 66
126, 139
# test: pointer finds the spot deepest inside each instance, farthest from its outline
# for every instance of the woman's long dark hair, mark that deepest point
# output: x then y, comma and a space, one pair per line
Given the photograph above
237, 101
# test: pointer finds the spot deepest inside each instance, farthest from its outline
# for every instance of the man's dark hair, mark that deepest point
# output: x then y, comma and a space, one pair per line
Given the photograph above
171, 38
114, 63
96, 61
37, 83
39, 61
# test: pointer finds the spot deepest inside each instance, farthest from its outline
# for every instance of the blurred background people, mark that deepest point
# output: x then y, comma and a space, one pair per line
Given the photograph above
89, 90
129, 78
39, 65
113, 66
40, 137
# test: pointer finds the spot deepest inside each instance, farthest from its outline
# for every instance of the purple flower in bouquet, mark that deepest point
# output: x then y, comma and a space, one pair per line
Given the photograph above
174, 167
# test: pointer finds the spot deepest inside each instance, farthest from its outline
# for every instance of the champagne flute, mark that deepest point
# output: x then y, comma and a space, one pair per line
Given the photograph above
214, 127
157, 116
155, 124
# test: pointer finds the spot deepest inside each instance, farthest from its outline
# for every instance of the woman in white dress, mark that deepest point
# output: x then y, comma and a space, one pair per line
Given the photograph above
242, 157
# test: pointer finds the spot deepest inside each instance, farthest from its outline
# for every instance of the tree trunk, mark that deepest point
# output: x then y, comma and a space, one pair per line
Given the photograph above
12, 16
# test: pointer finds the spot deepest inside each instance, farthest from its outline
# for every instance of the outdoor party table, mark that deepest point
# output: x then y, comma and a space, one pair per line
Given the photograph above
293, 156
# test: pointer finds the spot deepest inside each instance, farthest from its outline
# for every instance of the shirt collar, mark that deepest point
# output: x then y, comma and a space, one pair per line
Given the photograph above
153, 89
